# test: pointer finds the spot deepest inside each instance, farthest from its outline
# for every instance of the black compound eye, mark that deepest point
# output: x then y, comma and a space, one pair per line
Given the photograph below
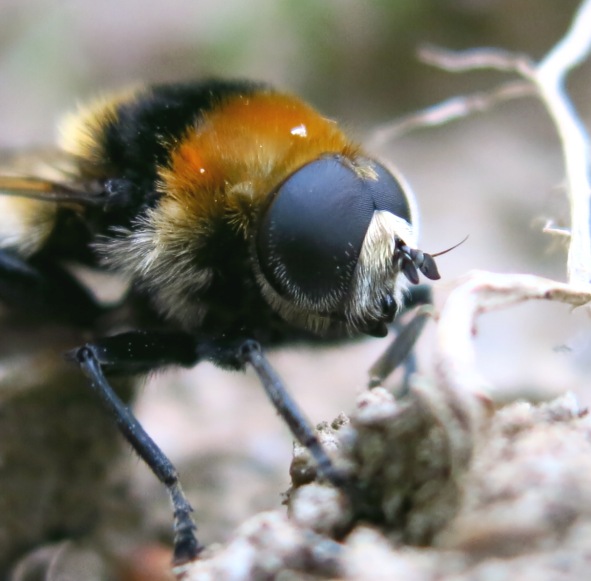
311, 236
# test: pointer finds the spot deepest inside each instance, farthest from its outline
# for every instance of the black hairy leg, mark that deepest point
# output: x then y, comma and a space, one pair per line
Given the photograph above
142, 351
288, 409
186, 545
43, 289
400, 350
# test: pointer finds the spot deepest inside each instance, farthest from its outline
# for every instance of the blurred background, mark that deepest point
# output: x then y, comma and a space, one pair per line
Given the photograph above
496, 176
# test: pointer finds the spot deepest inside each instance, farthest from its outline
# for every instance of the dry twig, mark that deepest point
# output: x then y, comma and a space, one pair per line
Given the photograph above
457, 374
479, 293
456, 368
545, 79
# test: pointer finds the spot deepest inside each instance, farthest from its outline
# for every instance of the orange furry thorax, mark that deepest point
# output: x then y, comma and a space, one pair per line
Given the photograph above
240, 151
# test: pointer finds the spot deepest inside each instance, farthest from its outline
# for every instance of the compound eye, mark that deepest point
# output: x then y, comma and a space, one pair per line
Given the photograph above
311, 236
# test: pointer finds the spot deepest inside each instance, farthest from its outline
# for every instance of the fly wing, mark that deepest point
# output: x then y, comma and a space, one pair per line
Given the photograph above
45, 175
34, 185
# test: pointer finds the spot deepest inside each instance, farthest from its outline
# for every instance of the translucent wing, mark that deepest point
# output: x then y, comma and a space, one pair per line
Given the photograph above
34, 185
47, 175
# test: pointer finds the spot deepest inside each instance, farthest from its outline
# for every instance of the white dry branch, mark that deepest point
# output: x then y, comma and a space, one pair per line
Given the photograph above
549, 77
481, 292
455, 364
546, 80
